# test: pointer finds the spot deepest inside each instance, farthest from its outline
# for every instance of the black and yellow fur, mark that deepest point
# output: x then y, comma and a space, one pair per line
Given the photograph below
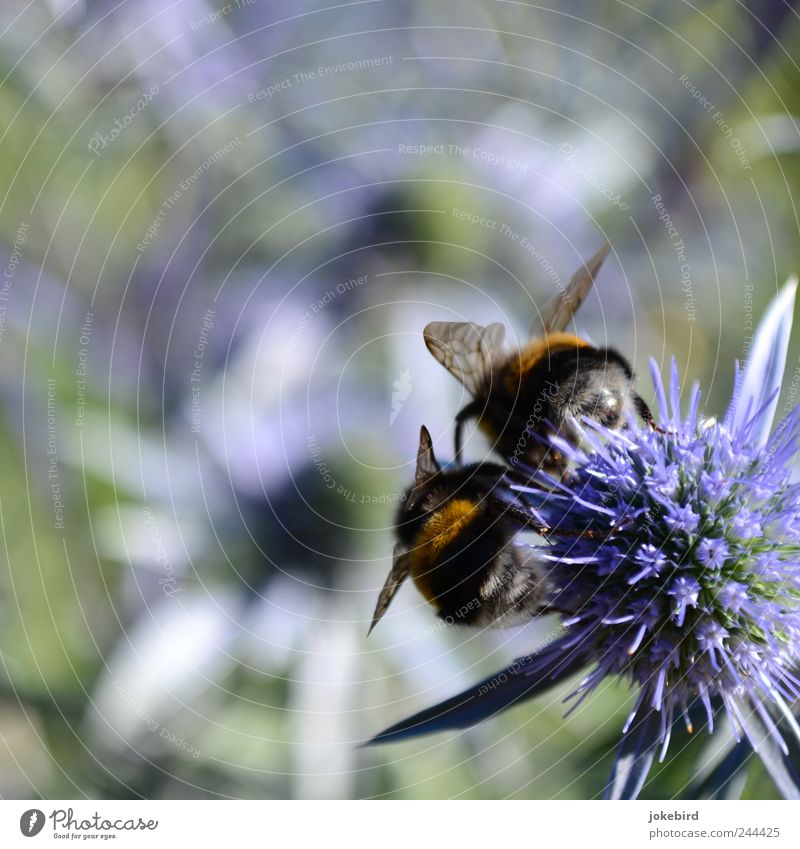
455, 532
534, 393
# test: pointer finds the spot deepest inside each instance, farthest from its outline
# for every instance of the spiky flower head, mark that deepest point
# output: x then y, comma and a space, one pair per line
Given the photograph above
675, 559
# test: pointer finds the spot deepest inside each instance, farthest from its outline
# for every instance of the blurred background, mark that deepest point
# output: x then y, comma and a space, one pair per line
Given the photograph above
224, 226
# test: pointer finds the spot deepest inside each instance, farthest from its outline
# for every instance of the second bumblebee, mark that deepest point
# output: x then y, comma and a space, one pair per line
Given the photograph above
456, 540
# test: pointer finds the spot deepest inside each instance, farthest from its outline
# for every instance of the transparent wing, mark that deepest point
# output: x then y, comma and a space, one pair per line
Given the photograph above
564, 304
400, 569
467, 350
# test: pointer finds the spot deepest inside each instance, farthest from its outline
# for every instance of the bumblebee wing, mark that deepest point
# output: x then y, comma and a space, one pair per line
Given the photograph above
427, 466
467, 350
564, 304
400, 569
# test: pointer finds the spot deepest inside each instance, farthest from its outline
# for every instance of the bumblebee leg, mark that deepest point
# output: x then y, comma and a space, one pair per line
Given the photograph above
463, 415
644, 413
458, 439
588, 533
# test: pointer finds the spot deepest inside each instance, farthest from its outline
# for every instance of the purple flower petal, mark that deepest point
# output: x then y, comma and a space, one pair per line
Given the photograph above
763, 373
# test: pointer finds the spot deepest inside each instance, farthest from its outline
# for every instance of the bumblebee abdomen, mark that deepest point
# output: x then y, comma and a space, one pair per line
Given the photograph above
455, 552
441, 531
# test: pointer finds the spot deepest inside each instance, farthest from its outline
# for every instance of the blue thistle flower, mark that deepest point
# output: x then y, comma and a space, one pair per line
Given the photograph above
675, 564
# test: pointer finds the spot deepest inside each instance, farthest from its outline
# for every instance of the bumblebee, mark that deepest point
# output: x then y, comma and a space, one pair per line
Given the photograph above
456, 539
522, 399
